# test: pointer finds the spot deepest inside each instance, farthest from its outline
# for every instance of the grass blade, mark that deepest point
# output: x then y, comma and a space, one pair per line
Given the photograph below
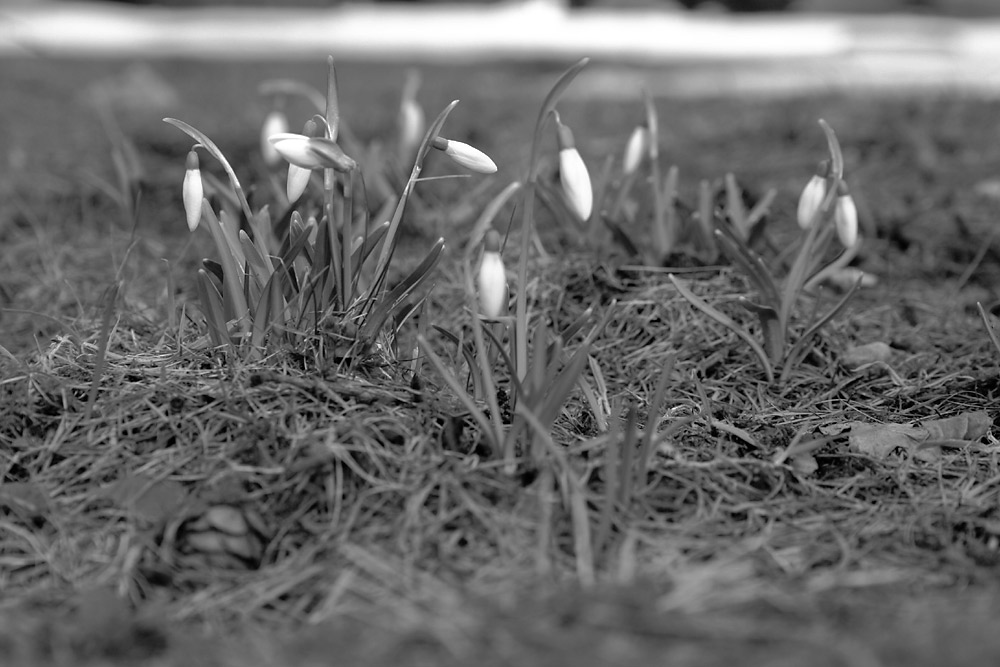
261, 269
268, 313
663, 233
750, 263
990, 329
389, 242
798, 349
231, 272
727, 322
211, 304
548, 106
110, 300
373, 323
456, 387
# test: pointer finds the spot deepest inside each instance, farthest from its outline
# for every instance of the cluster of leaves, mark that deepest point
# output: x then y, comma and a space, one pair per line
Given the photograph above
318, 278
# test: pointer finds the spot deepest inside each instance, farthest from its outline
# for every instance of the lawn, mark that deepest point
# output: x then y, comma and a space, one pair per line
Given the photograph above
168, 502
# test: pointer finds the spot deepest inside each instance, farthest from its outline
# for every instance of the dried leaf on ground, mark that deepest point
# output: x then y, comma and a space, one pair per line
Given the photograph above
804, 463
845, 278
226, 536
147, 498
858, 356
26, 500
924, 441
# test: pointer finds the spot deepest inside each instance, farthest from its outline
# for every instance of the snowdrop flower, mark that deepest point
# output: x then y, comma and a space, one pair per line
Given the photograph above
492, 278
276, 122
465, 155
311, 152
635, 149
411, 122
845, 217
573, 174
305, 152
296, 182
810, 201
192, 190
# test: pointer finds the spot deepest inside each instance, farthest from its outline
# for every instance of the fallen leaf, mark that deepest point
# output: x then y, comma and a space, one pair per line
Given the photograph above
862, 355
804, 463
966, 426
989, 188
844, 279
146, 498
923, 441
24, 499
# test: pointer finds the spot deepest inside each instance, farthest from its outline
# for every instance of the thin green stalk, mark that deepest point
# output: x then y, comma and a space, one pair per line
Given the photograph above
329, 198
389, 242
486, 373
231, 271
663, 236
727, 322
110, 300
332, 100
527, 216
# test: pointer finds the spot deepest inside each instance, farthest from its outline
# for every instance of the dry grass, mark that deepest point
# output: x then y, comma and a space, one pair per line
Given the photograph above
370, 511
378, 529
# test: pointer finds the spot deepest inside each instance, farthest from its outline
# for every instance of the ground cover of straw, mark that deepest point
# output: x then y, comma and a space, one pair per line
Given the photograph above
390, 542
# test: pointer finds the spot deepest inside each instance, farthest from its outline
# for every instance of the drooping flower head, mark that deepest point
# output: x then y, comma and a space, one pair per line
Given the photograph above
192, 190
275, 122
312, 152
812, 198
492, 278
411, 122
573, 174
298, 177
305, 152
636, 149
469, 157
845, 216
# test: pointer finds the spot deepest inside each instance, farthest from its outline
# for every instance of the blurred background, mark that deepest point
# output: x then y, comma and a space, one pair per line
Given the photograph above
945, 7
651, 30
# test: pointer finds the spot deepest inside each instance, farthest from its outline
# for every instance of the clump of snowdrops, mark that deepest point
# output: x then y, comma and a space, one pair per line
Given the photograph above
315, 276
722, 224
825, 210
536, 371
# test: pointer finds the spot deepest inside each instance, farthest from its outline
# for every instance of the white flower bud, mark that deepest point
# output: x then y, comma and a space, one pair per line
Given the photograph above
575, 181
410, 121
276, 122
636, 149
192, 191
465, 155
311, 152
412, 125
573, 173
298, 180
492, 278
810, 201
845, 217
